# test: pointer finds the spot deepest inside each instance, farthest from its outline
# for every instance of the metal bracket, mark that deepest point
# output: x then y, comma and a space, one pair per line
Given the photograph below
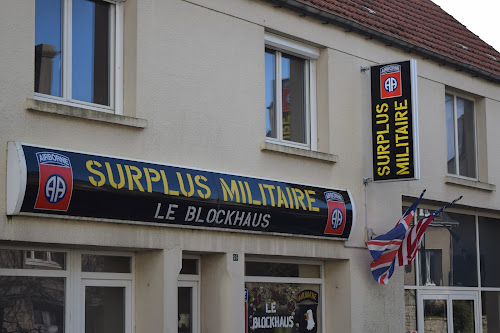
364, 69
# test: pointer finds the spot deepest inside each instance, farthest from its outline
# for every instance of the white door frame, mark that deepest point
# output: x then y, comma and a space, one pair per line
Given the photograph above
109, 283
449, 296
195, 301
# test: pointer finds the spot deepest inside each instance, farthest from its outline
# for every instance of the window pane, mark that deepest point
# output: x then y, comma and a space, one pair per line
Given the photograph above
283, 307
109, 264
491, 311
91, 51
410, 311
254, 268
270, 60
435, 317
31, 304
185, 307
189, 266
294, 99
489, 247
48, 47
466, 138
450, 134
463, 316
448, 252
32, 259
104, 310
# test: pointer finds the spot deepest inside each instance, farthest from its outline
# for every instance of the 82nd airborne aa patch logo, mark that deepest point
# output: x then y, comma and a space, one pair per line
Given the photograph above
55, 184
336, 213
390, 81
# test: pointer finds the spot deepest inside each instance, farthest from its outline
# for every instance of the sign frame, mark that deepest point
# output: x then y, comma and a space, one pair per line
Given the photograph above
23, 182
394, 112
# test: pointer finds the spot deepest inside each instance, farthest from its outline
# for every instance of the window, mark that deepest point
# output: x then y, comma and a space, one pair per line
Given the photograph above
453, 284
290, 83
78, 53
461, 136
188, 296
65, 291
284, 296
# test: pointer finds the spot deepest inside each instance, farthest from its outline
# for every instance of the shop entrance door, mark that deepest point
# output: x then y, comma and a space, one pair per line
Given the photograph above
187, 306
448, 312
107, 306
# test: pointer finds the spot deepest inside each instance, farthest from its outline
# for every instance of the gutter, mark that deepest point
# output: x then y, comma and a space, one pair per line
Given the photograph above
334, 19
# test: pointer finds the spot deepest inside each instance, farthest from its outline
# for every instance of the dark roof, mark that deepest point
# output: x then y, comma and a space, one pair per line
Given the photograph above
418, 26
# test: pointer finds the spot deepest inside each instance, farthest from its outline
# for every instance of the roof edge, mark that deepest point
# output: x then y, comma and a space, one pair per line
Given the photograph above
329, 17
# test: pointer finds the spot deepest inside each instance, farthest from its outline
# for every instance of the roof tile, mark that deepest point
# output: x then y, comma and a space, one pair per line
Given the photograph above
418, 22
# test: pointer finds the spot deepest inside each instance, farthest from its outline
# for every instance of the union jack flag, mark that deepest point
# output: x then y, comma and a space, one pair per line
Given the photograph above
384, 248
399, 246
413, 238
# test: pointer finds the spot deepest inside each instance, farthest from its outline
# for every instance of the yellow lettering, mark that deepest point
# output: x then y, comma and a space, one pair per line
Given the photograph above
382, 108
271, 194
111, 178
281, 197
198, 180
300, 198
149, 179
232, 192
102, 180
181, 184
136, 178
310, 201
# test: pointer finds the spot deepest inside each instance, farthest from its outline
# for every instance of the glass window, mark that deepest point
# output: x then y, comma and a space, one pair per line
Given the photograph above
448, 251
109, 264
189, 266
489, 247
31, 304
460, 136
288, 93
185, 308
435, 315
88, 57
30, 259
104, 309
283, 307
91, 49
256, 268
491, 311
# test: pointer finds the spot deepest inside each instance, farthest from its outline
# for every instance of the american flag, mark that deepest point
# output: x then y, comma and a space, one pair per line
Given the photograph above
399, 246
384, 248
413, 238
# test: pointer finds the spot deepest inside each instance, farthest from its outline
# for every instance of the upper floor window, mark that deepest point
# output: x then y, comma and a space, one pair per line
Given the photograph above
461, 136
78, 52
290, 81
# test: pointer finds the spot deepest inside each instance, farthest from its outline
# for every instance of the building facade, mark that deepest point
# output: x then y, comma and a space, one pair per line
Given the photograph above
207, 166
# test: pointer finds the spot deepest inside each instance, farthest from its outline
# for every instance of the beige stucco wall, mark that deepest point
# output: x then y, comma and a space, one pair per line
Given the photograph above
194, 71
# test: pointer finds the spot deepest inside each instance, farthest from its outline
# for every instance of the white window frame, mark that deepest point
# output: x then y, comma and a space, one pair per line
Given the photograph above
455, 120
193, 281
310, 54
75, 281
115, 61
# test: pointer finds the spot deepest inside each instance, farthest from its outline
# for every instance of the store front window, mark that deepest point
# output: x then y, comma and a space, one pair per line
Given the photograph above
39, 291
452, 286
283, 297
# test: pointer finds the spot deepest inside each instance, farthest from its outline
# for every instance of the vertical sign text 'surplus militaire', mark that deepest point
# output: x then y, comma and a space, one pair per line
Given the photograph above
394, 120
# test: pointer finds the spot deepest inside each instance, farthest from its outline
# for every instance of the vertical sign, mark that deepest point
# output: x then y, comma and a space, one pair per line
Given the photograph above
394, 121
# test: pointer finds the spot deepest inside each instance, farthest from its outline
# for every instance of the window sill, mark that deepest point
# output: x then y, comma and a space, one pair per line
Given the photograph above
273, 147
469, 183
78, 112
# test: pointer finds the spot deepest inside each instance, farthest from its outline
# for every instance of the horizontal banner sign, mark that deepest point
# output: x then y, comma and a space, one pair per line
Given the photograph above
53, 181
394, 121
